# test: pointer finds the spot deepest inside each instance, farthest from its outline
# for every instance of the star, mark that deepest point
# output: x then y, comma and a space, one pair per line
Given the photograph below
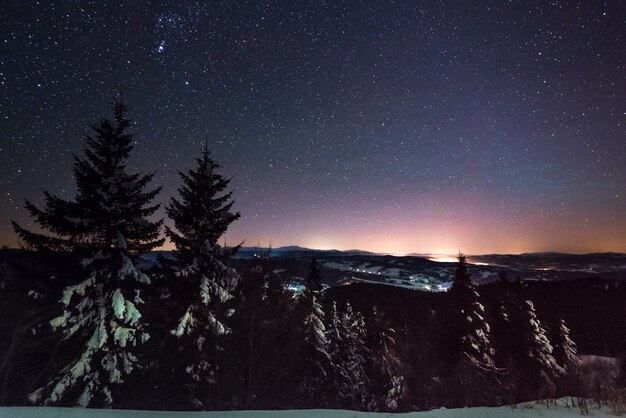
160, 47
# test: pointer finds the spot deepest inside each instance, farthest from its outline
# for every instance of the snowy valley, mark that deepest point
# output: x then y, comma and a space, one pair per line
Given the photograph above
433, 272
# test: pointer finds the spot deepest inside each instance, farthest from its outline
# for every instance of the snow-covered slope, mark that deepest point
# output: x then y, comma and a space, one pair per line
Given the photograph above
530, 409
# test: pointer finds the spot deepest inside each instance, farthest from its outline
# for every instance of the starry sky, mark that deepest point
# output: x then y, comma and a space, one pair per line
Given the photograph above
390, 126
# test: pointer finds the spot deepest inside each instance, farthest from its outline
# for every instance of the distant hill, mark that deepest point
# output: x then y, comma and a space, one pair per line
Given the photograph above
550, 261
431, 272
294, 250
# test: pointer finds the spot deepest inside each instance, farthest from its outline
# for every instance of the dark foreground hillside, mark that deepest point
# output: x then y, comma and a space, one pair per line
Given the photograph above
31, 285
593, 308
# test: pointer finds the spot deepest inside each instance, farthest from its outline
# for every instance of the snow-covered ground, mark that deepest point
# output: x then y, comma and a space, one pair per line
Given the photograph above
529, 409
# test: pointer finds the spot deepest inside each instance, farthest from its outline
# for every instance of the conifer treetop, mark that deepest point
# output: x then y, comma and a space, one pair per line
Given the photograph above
204, 211
461, 274
110, 209
565, 350
313, 280
473, 329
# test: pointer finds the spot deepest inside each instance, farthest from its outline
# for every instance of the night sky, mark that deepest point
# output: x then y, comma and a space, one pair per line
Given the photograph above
399, 127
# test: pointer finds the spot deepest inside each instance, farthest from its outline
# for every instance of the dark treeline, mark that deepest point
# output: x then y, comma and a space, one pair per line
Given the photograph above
261, 369
82, 323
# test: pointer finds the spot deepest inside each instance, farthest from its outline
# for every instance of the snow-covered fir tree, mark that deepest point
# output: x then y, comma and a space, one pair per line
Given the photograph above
538, 363
313, 344
470, 338
472, 329
503, 332
313, 279
356, 383
314, 354
565, 354
204, 284
387, 386
523, 346
335, 337
203, 213
347, 379
106, 223
565, 350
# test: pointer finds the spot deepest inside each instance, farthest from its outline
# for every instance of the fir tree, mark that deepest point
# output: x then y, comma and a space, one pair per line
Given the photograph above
526, 350
387, 385
313, 354
565, 350
503, 332
470, 332
313, 344
313, 280
107, 224
110, 207
523, 346
472, 329
535, 361
203, 213
348, 381
566, 356
205, 284
335, 335
355, 353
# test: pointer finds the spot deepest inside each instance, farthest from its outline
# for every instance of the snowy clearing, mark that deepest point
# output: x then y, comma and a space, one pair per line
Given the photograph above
528, 409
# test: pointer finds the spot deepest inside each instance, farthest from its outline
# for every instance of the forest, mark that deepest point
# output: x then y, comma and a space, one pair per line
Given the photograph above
81, 324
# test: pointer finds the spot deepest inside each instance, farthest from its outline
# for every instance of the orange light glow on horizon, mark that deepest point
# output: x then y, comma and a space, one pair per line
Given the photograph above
443, 259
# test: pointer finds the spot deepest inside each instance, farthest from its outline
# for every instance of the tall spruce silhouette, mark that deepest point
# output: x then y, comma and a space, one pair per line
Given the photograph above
111, 206
347, 382
523, 347
535, 369
203, 213
312, 344
472, 353
107, 224
387, 385
205, 285
471, 326
313, 279
565, 350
